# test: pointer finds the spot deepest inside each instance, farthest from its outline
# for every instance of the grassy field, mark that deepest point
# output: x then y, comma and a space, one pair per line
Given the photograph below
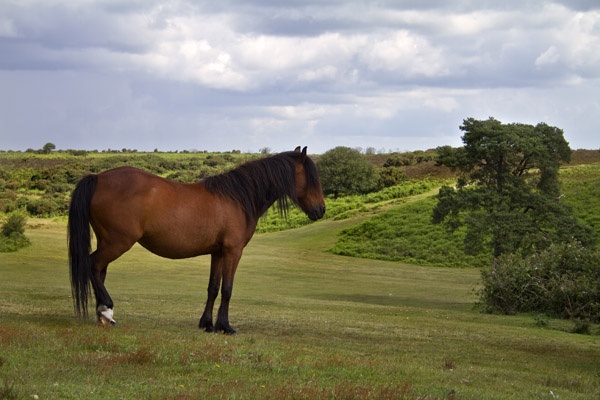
310, 325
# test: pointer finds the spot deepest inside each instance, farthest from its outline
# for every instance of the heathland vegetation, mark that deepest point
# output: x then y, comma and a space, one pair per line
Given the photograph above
40, 183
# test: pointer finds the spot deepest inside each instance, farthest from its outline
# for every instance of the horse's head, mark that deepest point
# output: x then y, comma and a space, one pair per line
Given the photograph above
308, 187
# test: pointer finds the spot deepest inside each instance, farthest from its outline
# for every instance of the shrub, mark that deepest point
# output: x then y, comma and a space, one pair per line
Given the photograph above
15, 224
12, 234
8, 201
561, 281
390, 176
46, 206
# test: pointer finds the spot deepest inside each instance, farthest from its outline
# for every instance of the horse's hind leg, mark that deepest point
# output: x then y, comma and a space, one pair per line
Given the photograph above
104, 255
104, 303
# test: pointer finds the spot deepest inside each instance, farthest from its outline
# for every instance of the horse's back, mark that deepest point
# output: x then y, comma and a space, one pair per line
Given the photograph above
171, 219
128, 191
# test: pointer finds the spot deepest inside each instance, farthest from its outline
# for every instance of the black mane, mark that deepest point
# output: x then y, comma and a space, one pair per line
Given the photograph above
257, 184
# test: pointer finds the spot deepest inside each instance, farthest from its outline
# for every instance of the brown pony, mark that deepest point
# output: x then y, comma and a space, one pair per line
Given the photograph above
216, 216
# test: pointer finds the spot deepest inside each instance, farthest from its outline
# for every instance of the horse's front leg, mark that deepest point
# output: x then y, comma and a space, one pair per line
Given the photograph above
206, 321
230, 264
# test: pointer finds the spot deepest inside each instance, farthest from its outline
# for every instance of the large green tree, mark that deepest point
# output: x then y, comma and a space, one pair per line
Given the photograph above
508, 194
345, 171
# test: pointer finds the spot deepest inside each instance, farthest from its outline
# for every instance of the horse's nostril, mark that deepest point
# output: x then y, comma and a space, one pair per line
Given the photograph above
320, 211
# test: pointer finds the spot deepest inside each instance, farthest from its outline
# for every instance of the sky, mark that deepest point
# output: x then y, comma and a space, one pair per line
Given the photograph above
263, 74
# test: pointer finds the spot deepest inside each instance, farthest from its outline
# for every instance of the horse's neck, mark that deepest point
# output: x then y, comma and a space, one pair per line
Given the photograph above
282, 200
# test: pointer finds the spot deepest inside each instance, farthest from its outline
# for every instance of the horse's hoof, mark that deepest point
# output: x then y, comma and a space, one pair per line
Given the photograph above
105, 316
207, 326
229, 332
106, 322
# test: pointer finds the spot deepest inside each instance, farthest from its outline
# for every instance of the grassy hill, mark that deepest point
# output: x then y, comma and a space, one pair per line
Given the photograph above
405, 233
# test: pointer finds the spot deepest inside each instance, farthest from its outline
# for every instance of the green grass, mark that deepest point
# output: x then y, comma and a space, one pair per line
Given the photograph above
405, 233
351, 206
581, 186
310, 325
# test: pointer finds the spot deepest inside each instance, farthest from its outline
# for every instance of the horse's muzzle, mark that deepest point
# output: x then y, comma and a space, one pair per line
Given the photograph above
317, 212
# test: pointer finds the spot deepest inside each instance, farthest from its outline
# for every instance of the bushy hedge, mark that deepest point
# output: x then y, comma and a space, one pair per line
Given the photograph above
562, 281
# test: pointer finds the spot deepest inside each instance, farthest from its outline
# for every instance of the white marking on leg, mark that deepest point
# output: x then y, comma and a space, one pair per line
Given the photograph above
105, 315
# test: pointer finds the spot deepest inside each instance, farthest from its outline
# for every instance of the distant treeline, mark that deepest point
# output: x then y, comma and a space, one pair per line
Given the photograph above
50, 148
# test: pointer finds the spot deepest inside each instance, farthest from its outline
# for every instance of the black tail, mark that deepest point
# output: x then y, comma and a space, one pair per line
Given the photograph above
79, 239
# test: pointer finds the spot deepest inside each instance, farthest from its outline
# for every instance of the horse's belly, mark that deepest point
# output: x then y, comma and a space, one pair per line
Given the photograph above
193, 226
177, 246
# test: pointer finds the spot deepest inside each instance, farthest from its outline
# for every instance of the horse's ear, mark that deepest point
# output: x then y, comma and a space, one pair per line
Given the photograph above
304, 152
297, 149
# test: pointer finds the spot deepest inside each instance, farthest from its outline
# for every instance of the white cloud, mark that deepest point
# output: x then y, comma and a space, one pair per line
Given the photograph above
406, 53
325, 73
581, 40
304, 111
550, 56
280, 53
